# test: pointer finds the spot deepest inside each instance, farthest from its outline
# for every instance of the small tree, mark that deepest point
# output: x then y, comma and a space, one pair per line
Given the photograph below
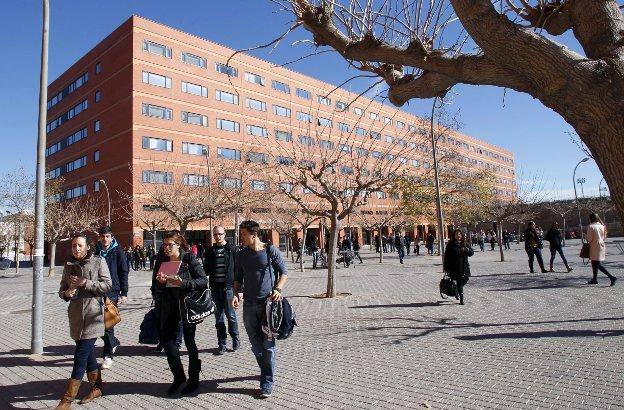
375, 218
561, 209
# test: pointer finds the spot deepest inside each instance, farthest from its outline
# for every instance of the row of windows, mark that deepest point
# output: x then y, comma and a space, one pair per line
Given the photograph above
75, 110
77, 83
72, 166
75, 192
66, 142
166, 178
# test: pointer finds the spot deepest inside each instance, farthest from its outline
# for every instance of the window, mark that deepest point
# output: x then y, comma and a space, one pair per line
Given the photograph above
96, 126
157, 144
307, 140
286, 186
192, 59
324, 122
326, 145
157, 111
194, 149
403, 160
257, 131
343, 127
156, 79
375, 135
257, 157
229, 182
194, 89
341, 106
412, 128
229, 153
376, 154
390, 157
226, 69
77, 83
389, 139
323, 100
400, 124
66, 142
54, 173
75, 110
426, 164
157, 177
373, 116
304, 116
96, 185
98, 67
257, 185
380, 194
281, 87
195, 179
305, 94
283, 136
285, 160
415, 163
345, 148
76, 192
156, 48
281, 111
53, 149
226, 97
75, 164
194, 118
360, 131
387, 120
96, 156
255, 104
98, 96
307, 164
254, 78
228, 125
358, 111
362, 152
346, 170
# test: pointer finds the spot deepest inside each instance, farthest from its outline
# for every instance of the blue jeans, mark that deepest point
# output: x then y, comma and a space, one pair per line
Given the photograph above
262, 348
401, 252
553, 252
84, 358
110, 341
535, 253
222, 298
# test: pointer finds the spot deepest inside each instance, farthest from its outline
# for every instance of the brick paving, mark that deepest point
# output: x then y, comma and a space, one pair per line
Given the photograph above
522, 340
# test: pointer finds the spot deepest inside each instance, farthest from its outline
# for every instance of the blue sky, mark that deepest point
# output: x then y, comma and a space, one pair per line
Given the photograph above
514, 121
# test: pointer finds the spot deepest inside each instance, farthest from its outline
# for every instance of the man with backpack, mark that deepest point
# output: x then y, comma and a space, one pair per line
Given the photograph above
261, 273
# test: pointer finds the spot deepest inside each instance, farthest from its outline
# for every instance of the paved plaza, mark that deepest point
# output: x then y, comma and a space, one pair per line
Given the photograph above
522, 341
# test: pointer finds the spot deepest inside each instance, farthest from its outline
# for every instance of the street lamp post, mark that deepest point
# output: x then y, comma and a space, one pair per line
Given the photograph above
602, 189
209, 182
36, 340
109, 202
437, 183
578, 207
581, 181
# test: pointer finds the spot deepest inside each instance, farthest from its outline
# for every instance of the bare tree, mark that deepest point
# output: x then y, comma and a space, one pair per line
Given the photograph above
423, 49
376, 218
561, 209
148, 217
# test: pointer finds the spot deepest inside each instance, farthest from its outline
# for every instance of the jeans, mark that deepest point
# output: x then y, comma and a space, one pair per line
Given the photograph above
401, 252
357, 255
110, 341
222, 298
173, 351
597, 266
506, 243
417, 249
262, 348
482, 246
553, 252
84, 358
535, 253
315, 256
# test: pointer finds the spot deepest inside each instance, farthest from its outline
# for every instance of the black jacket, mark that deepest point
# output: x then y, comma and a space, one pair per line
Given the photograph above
531, 237
170, 301
456, 260
230, 258
553, 236
118, 268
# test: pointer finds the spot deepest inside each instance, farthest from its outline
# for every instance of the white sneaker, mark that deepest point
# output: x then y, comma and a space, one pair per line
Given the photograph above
107, 363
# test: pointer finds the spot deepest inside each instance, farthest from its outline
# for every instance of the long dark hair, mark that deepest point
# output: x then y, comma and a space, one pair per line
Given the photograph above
462, 242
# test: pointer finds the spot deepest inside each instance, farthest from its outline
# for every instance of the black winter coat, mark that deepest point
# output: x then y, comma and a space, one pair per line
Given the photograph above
531, 238
170, 301
456, 260
118, 268
209, 263
553, 236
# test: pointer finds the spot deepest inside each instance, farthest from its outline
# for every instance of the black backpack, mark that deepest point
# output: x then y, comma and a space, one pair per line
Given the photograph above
282, 320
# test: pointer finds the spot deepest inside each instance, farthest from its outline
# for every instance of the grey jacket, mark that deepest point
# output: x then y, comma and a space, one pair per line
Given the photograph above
86, 308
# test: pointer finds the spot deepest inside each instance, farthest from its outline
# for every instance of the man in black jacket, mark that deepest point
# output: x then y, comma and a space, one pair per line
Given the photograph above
219, 266
109, 249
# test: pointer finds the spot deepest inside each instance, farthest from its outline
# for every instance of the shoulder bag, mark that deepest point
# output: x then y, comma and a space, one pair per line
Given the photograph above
111, 314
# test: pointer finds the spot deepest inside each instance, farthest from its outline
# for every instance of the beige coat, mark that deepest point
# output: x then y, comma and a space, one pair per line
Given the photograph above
86, 309
596, 237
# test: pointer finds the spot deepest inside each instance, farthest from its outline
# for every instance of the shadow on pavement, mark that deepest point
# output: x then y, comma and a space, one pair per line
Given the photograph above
401, 305
544, 333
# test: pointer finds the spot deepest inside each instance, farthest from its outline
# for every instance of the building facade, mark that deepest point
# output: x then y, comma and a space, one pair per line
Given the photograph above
148, 96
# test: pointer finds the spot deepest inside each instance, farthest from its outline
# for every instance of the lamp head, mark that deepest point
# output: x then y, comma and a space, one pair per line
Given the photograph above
585, 159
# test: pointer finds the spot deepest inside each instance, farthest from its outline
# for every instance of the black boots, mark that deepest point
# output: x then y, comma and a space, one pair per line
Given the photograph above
175, 364
193, 380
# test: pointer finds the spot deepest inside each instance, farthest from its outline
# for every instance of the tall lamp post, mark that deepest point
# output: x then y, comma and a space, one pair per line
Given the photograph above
437, 182
109, 203
36, 340
581, 181
602, 189
578, 207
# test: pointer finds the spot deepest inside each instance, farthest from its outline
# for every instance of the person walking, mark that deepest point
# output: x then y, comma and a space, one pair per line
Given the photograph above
377, 244
173, 290
553, 236
384, 243
408, 243
84, 282
314, 249
399, 243
456, 263
254, 275
596, 235
219, 263
506, 239
136, 258
108, 248
356, 249
151, 256
391, 244
430, 242
417, 245
533, 247
481, 240
493, 240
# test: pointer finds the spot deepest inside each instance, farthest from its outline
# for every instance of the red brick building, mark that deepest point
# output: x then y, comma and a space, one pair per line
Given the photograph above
149, 93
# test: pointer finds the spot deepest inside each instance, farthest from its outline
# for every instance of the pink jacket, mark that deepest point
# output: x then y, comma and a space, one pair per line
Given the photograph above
596, 237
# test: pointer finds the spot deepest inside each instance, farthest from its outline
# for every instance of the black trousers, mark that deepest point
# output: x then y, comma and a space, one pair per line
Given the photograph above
535, 253
597, 266
173, 351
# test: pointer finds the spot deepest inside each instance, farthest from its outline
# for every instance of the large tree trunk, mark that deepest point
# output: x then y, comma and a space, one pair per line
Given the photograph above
52, 259
236, 222
380, 247
302, 249
499, 234
334, 227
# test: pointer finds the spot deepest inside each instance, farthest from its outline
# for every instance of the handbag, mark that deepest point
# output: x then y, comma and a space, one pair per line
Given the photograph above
447, 286
148, 334
584, 251
199, 305
111, 314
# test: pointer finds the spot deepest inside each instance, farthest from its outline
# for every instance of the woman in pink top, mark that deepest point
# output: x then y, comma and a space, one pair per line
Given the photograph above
596, 235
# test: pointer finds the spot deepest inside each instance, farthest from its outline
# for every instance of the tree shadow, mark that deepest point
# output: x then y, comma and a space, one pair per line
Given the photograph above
402, 305
53, 389
543, 334
501, 274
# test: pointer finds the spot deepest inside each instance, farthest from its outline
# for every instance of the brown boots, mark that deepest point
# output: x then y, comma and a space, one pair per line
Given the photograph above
70, 394
95, 383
